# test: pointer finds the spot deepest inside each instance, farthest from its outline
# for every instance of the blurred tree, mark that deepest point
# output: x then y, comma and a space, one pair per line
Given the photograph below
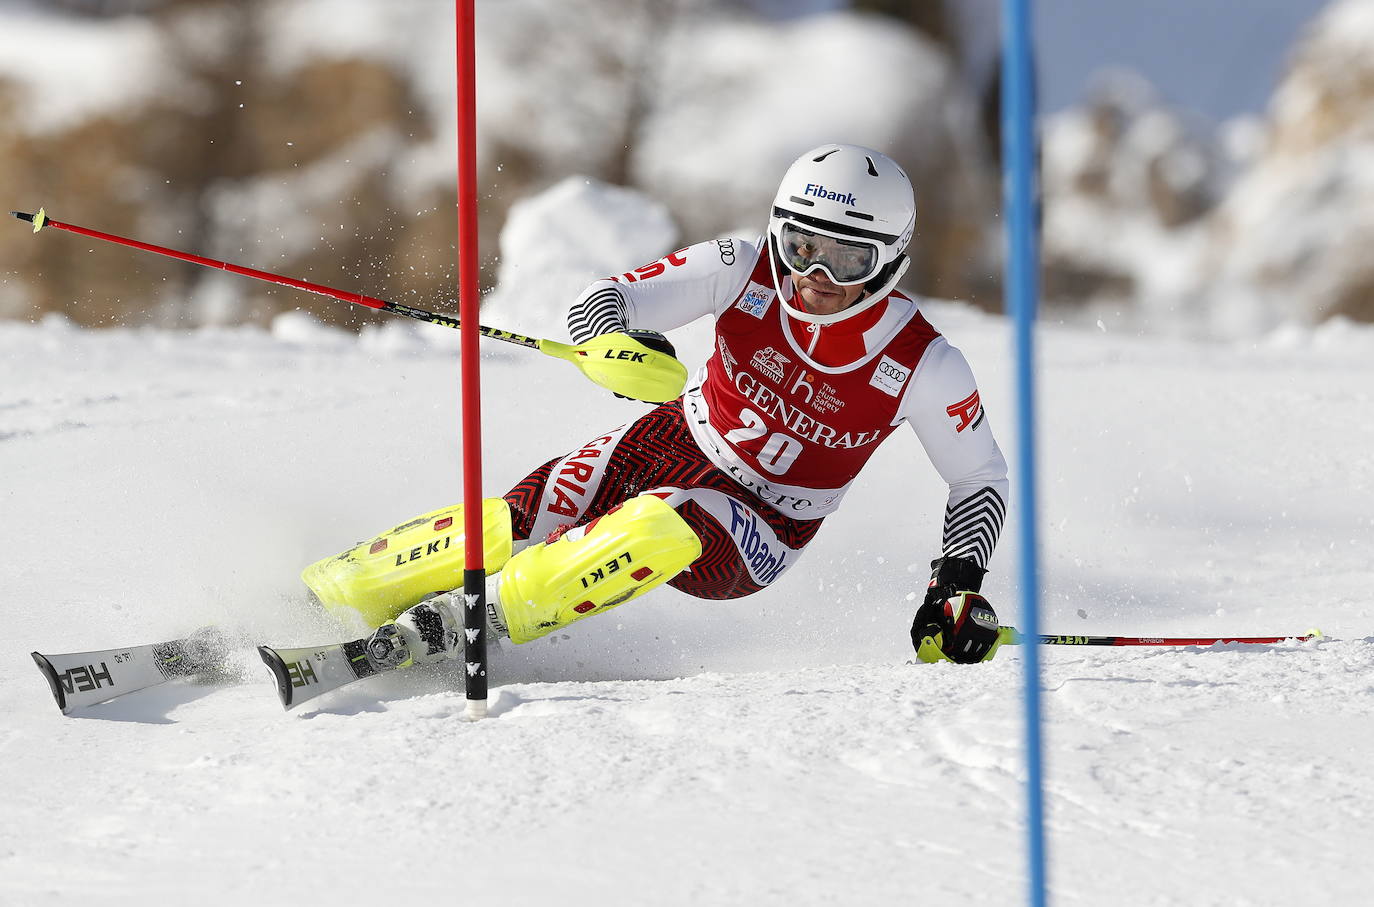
304, 165
930, 17
640, 70
104, 9
941, 22
290, 169
196, 147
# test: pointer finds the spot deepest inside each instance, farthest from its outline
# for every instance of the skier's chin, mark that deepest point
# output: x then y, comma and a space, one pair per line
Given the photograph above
822, 301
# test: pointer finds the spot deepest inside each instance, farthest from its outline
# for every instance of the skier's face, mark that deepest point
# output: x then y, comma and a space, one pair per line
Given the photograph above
822, 296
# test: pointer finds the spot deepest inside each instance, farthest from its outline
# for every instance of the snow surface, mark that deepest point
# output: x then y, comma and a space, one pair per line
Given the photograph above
776, 750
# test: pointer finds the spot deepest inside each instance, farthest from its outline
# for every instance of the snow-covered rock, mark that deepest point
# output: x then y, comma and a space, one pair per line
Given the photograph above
1126, 182
553, 244
1292, 239
1151, 220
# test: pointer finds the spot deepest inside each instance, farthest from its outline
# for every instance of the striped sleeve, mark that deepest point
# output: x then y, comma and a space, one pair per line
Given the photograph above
944, 407
599, 311
662, 295
973, 525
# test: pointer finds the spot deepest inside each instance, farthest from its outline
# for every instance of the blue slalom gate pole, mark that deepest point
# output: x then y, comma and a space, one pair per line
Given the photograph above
1020, 208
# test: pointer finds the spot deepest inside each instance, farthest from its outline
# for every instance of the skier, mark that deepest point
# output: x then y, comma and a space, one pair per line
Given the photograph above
817, 359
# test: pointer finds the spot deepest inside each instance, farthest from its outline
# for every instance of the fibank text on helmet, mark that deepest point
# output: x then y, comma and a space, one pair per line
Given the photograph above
819, 191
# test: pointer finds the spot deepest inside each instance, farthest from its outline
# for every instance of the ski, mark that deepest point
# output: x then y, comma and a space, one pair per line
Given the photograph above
303, 674
79, 679
306, 673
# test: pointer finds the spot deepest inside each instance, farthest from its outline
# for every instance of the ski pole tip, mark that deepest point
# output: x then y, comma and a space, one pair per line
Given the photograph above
38, 220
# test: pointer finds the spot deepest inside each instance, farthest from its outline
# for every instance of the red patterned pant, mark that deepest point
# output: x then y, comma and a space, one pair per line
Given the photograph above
746, 543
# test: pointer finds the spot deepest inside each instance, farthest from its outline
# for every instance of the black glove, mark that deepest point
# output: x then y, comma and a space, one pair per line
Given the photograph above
654, 341
954, 623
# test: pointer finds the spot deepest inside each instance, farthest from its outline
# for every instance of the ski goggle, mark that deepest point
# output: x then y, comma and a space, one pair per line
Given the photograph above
847, 261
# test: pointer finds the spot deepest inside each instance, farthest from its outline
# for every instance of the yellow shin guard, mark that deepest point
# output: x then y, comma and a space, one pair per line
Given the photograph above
385, 575
635, 548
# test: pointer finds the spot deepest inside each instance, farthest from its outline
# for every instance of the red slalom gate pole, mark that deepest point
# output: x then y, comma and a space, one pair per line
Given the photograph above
474, 571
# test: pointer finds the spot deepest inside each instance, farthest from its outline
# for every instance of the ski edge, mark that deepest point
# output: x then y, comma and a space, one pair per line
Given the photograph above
50, 673
277, 666
304, 674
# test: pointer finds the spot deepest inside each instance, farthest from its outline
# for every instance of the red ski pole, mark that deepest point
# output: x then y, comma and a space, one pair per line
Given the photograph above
41, 220
599, 358
1011, 637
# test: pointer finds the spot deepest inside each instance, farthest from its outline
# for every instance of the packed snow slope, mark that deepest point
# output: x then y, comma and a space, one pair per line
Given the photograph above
781, 749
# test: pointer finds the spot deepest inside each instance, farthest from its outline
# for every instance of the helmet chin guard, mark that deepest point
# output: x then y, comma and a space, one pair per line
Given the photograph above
851, 194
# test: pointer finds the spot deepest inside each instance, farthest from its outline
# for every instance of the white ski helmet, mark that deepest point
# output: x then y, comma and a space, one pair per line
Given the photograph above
849, 211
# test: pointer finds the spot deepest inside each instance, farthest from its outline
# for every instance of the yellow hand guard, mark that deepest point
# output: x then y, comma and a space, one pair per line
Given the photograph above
622, 364
385, 575
931, 649
634, 548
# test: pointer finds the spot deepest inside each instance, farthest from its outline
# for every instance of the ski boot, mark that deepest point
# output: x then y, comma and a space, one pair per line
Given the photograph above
428, 633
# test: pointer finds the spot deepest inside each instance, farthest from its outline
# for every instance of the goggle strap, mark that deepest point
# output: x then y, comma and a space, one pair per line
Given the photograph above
840, 229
